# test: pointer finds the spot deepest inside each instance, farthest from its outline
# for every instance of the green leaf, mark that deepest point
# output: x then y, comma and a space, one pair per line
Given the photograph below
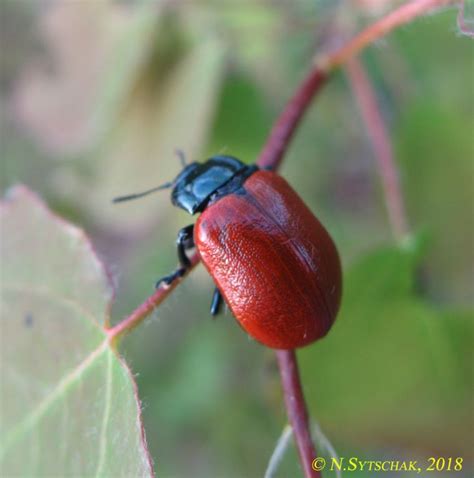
69, 404
435, 148
393, 365
242, 119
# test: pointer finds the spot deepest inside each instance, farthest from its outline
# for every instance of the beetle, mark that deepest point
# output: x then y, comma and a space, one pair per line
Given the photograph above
272, 261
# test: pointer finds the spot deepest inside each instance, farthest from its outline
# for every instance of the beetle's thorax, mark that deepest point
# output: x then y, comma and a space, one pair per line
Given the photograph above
198, 184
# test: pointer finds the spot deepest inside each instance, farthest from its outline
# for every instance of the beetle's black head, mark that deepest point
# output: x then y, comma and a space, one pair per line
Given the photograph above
198, 182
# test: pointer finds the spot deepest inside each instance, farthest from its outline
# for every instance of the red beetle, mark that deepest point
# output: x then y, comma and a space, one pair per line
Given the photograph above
272, 261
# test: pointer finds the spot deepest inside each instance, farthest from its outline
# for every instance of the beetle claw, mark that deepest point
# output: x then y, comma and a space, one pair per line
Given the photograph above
170, 278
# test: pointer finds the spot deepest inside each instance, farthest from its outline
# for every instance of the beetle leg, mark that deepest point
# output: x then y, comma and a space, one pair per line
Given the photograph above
170, 278
216, 303
184, 241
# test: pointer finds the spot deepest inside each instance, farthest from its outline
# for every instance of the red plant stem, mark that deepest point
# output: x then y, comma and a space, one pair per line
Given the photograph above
146, 308
296, 409
285, 126
378, 136
404, 14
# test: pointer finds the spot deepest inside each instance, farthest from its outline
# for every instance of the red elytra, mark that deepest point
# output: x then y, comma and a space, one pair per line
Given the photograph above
273, 261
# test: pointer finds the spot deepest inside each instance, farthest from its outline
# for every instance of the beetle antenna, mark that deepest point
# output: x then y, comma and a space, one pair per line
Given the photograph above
144, 193
181, 156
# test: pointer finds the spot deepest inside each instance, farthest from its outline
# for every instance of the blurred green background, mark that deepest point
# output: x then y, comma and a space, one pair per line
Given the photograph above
97, 95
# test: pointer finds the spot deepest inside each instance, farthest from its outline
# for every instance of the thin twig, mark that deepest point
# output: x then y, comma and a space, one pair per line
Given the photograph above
296, 410
288, 121
278, 452
146, 308
329, 61
379, 138
286, 124
324, 444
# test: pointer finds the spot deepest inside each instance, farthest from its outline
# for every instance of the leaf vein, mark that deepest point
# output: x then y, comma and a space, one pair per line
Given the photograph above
106, 417
38, 413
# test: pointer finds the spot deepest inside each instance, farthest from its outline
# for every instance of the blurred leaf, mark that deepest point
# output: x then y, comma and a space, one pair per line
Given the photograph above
466, 18
436, 149
253, 28
60, 377
242, 120
145, 87
393, 367
163, 113
20, 28
93, 50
